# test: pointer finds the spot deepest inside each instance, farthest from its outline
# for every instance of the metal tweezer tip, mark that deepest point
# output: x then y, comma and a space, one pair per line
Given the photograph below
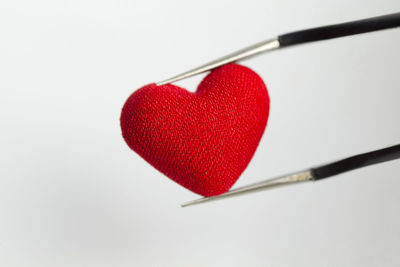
284, 180
244, 53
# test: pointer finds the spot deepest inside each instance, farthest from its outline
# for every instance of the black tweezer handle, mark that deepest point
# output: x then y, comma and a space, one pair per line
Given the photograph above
355, 162
340, 30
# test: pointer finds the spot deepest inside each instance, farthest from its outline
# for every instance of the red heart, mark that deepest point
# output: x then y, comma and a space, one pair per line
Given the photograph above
202, 140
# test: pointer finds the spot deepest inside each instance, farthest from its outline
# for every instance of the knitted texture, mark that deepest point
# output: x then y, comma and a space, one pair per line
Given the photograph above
202, 140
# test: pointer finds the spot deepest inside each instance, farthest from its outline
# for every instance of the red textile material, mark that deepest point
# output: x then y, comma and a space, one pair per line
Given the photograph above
202, 140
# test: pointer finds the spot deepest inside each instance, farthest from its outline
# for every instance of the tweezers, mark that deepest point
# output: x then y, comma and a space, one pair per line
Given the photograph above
295, 38
287, 40
313, 174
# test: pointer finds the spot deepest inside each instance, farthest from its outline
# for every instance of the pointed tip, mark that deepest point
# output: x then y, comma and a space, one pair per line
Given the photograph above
194, 202
164, 82
185, 204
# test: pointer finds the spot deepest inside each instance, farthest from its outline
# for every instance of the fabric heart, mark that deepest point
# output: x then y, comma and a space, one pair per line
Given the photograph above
202, 140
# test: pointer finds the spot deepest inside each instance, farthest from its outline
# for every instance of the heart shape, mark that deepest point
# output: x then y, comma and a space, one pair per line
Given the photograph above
202, 140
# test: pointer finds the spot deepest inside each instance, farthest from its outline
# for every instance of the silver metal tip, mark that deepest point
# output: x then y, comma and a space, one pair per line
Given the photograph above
241, 54
267, 184
193, 202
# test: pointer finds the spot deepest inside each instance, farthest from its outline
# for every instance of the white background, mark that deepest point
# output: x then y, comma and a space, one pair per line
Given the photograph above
73, 194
